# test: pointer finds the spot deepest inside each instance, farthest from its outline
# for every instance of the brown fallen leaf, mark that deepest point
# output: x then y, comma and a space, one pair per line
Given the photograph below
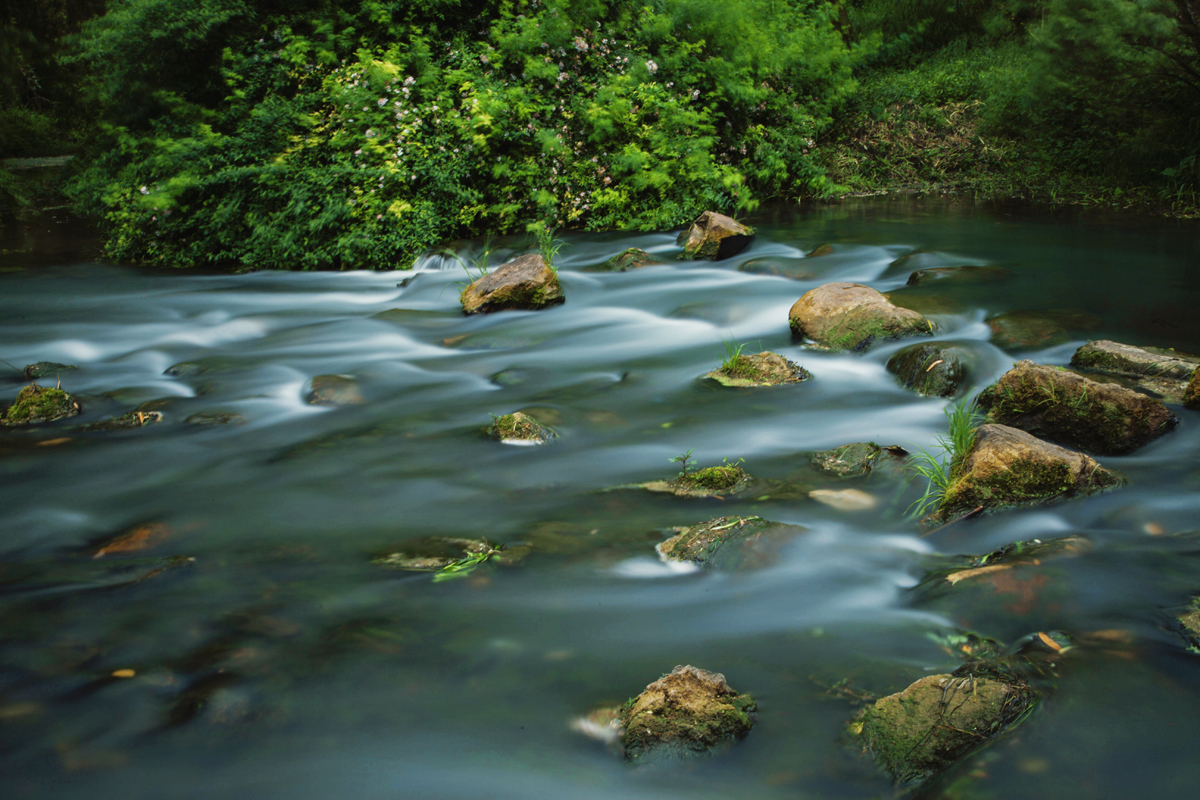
140, 538
975, 572
934, 364
1053, 645
52, 442
123, 673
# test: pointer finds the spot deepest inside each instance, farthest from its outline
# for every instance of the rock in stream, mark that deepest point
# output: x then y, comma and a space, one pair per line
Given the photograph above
850, 316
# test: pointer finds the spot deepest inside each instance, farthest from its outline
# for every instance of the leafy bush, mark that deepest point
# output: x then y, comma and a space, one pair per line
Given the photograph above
358, 133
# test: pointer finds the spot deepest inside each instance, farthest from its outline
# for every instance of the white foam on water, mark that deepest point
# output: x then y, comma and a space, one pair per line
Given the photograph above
642, 568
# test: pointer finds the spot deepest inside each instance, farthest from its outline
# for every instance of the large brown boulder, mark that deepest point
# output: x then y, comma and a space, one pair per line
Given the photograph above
1164, 372
524, 284
714, 236
1007, 468
1054, 404
685, 713
850, 316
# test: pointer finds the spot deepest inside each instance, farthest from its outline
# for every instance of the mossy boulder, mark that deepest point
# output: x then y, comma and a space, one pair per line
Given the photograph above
125, 422
1163, 372
723, 479
760, 369
930, 369
729, 543
1054, 404
850, 316
1191, 393
519, 427
1009, 468
44, 369
917, 733
964, 274
36, 404
524, 284
714, 236
684, 714
631, 258
848, 461
334, 390
1022, 330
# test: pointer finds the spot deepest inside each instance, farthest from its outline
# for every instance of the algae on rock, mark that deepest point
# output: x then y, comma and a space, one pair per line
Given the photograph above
760, 369
708, 482
930, 370
686, 713
1055, 404
850, 316
714, 236
630, 258
1191, 394
848, 461
526, 283
728, 542
36, 404
519, 427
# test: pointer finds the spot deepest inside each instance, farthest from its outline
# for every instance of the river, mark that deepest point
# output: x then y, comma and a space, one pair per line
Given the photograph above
271, 658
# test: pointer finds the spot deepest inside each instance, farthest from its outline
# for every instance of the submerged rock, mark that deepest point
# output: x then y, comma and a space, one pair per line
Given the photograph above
1191, 393
526, 283
631, 258
849, 460
684, 714
447, 553
210, 419
134, 419
334, 390
850, 316
43, 369
930, 370
923, 277
1028, 552
916, 733
1164, 372
794, 268
1052, 403
714, 236
708, 482
36, 404
519, 427
1008, 468
1189, 624
1016, 330
844, 499
729, 542
760, 369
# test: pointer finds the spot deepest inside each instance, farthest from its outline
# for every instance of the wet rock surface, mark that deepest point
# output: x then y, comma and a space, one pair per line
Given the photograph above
519, 427
1024, 330
688, 713
850, 316
715, 481
714, 236
213, 419
1008, 468
334, 390
759, 369
631, 258
931, 370
130, 421
849, 460
1191, 393
1054, 404
729, 543
45, 369
35, 404
963, 274
1164, 372
916, 733
434, 553
524, 284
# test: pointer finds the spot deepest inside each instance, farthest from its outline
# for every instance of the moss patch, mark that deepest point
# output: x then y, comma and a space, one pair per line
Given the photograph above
521, 427
760, 369
686, 713
39, 404
712, 479
849, 460
631, 258
130, 421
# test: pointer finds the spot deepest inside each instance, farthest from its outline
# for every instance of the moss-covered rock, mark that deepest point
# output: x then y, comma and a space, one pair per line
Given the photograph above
1189, 624
130, 421
714, 236
964, 274
334, 390
526, 283
760, 369
631, 258
1008, 468
932, 369
1191, 393
849, 460
708, 482
1023, 330
433, 553
684, 714
519, 427
916, 733
850, 316
36, 404
43, 369
1054, 404
729, 543
1163, 372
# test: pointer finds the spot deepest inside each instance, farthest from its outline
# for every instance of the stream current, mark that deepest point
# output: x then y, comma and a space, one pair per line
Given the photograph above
272, 658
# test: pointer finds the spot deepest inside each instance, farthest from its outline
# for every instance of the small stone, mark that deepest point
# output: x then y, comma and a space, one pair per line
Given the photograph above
684, 714
760, 369
433, 553
334, 390
714, 236
519, 427
729, 543
844, 499
43, 369
850, 316
930, 370
1018, 330
632, 258
849, 460
524, 284
708, 482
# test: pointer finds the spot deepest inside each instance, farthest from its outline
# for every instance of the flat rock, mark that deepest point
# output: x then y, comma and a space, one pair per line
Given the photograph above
931, 369
1023, 330
524, 284
760, 369
1055, 404
850, 316
125, 422
43, 369
1164, 372
686, 713
631, 258
1009, 468
844, 499
729, 543
334, 390
714, 236
210, 419
916, 733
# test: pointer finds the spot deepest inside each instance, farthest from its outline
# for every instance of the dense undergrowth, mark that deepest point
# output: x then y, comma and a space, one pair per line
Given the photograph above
358, 133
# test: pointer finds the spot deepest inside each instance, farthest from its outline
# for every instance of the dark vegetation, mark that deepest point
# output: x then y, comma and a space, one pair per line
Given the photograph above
358, 133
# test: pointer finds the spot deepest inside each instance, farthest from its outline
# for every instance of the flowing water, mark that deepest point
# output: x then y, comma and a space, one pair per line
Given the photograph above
279, 661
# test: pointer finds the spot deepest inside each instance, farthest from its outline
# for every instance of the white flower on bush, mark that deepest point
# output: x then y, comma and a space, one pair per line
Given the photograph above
144, 190
381, 102
650, 65
580, 44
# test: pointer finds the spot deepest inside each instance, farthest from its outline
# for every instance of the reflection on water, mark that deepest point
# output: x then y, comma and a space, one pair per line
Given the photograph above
270, 656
